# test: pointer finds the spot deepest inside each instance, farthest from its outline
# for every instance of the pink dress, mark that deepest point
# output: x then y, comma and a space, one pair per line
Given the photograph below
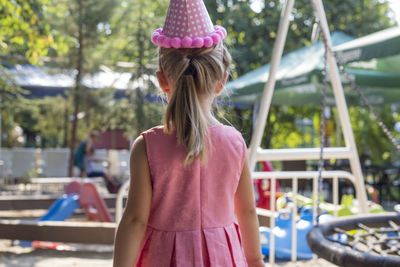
192, 221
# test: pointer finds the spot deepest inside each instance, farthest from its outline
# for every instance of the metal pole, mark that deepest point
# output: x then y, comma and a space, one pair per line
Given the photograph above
343, 111
119, 206
269, 86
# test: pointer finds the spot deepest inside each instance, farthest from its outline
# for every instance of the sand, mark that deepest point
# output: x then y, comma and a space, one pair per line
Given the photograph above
86, 256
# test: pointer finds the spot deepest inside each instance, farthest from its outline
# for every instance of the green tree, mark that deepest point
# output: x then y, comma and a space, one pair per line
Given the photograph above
129, 45
85, 22
251, 34
24, 36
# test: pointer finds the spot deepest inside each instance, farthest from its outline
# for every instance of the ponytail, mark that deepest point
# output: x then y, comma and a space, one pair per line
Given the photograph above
195, 73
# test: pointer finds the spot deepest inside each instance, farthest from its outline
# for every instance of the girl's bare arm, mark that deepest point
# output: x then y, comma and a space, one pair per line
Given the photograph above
134, 220
247, 217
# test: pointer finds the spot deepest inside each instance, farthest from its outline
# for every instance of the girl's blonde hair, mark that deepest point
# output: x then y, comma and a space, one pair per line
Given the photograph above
194, 73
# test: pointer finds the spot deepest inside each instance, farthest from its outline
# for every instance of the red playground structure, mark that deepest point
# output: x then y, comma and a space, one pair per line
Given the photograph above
262, 187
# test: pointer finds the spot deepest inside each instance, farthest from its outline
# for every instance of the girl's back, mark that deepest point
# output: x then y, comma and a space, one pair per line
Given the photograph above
185, 190
192, 220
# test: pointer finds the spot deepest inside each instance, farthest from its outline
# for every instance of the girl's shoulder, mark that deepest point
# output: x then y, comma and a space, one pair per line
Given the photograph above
227, 130
154, 130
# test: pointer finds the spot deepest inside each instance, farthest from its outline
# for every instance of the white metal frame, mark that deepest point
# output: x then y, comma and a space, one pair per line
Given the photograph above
348, 152
295, 176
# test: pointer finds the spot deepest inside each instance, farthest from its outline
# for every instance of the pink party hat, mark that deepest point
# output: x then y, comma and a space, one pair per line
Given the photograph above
188, 25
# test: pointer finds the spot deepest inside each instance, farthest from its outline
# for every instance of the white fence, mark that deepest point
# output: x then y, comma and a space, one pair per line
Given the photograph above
53, 162
295, 176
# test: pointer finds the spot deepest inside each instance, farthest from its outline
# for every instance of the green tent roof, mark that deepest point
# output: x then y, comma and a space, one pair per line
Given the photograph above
377, 45
299, 78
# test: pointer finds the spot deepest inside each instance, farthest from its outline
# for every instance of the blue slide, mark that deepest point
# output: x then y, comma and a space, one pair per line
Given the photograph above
62, 209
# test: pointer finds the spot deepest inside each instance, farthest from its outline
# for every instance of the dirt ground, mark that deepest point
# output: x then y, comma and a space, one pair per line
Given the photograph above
86, 256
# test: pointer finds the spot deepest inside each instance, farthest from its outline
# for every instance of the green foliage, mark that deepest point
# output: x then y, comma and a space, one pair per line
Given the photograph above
38, 117
130, 30
129, 42
117, 33
106, 113
369, 136
251, 35
10, 92
23, 30
24, 35
92, 18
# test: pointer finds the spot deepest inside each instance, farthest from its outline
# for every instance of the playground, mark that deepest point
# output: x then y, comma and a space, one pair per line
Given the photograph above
46, 258
319, 110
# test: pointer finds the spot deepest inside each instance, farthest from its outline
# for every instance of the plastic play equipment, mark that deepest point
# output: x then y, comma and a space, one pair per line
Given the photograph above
263, 187
348, 205
380, 231
62, 209
73, 187
77, 195
93, 204
90, 200
283, 234
283, 237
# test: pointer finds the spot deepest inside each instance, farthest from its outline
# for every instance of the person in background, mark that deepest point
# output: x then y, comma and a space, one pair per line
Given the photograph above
112, 183
84, 159
86, 147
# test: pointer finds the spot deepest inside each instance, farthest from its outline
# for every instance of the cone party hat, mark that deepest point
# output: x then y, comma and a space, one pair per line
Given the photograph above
188, 25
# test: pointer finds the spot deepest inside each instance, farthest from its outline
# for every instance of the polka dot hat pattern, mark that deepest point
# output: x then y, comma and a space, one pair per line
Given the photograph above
188, 25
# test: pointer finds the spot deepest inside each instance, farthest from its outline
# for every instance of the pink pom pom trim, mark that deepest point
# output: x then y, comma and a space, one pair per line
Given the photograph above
208, 42
167, 42
176, 42
187, 42
154, 37
198, 42
216, 38
158, 38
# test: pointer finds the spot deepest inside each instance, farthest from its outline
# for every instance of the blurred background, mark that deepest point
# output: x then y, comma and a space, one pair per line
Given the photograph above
70, 67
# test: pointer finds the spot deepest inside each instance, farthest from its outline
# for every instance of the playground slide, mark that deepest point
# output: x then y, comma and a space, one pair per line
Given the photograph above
62, 209
93, 204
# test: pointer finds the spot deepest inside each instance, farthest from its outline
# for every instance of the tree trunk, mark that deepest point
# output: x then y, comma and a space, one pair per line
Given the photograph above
140, 118
78, 78
66, 122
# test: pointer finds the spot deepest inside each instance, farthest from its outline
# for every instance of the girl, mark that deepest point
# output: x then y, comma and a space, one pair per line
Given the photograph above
190, 176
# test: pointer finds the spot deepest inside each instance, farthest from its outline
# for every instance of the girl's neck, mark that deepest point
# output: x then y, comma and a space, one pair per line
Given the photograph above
206, 106
211, 120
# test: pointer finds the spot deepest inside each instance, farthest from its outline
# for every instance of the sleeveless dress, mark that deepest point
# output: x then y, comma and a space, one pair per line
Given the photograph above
192, 221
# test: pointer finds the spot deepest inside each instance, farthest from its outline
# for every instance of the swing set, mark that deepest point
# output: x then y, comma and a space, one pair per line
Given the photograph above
344, 254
